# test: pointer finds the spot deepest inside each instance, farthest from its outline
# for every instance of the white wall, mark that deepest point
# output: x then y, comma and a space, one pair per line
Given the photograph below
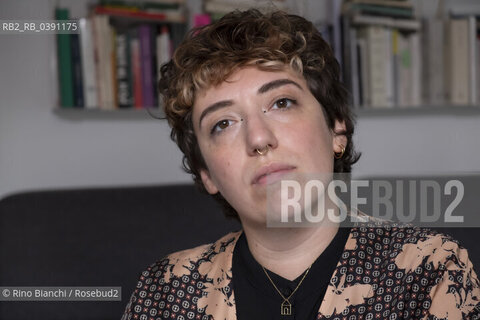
430, 143
39, 149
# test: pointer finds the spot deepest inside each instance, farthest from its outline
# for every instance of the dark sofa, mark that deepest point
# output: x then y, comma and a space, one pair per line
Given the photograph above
96, 237
106, 237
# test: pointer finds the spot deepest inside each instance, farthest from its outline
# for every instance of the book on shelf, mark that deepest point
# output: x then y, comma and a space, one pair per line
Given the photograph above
218, 8
123, 70
434, 62
145, 34
458, 61
64, 57
167, 11
378, 66
407, 69
473, 58
378, 9
178, 17
386, 3
88, 63
381, 62
136, 63
113, 62
78, 98
103, 39
395, 60
404, 24
462, 58
376, 72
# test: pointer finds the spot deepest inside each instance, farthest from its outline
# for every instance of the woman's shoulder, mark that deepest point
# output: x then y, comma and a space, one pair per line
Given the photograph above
184, 261
419, 262
184, 277
424, 246
409, 245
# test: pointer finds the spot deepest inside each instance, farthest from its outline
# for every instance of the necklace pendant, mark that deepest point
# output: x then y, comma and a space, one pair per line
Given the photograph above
286, 308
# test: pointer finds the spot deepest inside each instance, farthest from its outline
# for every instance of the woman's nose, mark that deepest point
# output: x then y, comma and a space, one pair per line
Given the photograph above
259, 135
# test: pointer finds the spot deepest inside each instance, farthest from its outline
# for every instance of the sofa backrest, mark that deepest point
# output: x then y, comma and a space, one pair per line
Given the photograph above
97, 237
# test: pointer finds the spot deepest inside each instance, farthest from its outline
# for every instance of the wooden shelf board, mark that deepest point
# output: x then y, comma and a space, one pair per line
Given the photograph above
75, 114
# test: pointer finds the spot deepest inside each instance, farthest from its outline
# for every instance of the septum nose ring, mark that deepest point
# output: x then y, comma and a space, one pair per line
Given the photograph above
263, 151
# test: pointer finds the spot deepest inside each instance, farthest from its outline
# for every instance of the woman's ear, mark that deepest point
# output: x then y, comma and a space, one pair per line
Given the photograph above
339, 136
208, 182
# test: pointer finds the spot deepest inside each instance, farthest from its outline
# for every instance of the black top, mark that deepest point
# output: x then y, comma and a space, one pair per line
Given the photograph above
255, 296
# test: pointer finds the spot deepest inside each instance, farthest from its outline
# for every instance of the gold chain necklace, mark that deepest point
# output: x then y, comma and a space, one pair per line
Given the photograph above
286, 306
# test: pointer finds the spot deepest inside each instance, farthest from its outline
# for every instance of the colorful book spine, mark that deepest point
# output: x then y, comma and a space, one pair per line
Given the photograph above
155, 72
65, 72
77, 71
140, 14
379, 10
136, 69
163, 46
145, 37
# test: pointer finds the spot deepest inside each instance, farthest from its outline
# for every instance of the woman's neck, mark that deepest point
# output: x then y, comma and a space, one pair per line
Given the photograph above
288, 251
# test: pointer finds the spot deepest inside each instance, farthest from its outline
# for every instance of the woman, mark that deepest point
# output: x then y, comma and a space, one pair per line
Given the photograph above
252, 99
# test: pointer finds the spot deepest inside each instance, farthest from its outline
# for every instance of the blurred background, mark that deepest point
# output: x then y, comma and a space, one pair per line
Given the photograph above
46, 145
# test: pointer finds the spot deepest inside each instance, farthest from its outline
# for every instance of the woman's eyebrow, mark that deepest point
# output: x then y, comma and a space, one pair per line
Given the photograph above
277, 83
264, 88
212, 108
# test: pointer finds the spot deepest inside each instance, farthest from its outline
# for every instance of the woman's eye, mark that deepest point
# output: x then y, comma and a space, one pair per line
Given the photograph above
283, 103
221, 125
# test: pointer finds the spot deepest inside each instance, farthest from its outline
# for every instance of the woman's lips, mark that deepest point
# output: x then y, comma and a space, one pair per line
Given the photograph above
271, 173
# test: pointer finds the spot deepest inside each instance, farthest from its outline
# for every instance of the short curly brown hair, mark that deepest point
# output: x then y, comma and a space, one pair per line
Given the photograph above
269, 41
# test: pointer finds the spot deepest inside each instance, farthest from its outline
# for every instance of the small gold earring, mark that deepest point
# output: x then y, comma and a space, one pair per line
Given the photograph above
339, 155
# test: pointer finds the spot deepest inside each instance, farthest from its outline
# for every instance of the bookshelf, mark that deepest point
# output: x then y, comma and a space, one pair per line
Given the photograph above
77, 114
421, 111
411, 57
396, 55
112, 63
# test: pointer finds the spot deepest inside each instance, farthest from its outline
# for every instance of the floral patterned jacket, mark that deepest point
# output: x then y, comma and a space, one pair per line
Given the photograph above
385, 272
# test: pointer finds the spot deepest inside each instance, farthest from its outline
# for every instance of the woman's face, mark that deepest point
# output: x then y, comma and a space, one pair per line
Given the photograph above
251, 110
